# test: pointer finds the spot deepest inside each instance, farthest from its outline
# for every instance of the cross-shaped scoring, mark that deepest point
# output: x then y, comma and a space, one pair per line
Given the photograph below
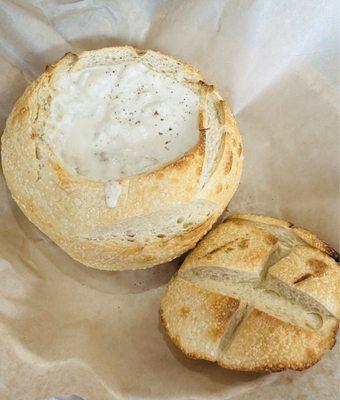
257, 294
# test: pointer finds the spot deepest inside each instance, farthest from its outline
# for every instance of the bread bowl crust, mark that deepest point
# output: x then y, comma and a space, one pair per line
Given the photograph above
46, 192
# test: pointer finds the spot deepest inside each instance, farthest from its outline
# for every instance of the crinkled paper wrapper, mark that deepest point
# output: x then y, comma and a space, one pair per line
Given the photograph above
69, 330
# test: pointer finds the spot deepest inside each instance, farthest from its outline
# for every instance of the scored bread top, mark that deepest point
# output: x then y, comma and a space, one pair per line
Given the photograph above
277, 296
107, 224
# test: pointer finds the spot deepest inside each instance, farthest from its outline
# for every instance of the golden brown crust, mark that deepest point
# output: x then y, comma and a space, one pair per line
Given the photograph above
314, 241
234, 245
264, 219
46, 192
137, 256
265, 343
305, 235
186, 306
313, 273
249, 257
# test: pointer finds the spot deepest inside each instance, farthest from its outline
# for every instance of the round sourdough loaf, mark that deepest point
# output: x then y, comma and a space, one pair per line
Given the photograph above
256, 294
124, 158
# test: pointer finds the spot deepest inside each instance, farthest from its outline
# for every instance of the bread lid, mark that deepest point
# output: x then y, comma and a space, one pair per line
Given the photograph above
255, 295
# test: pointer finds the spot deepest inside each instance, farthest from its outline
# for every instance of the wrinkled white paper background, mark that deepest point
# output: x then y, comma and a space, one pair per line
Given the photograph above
66, 329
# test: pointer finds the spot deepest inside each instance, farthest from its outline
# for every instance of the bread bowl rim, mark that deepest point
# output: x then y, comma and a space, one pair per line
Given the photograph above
198, 150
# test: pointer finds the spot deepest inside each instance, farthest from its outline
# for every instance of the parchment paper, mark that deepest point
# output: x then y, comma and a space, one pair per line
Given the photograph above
66, 329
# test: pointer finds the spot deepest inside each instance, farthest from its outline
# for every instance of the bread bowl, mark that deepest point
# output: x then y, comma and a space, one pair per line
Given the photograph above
124, 158
256, 294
